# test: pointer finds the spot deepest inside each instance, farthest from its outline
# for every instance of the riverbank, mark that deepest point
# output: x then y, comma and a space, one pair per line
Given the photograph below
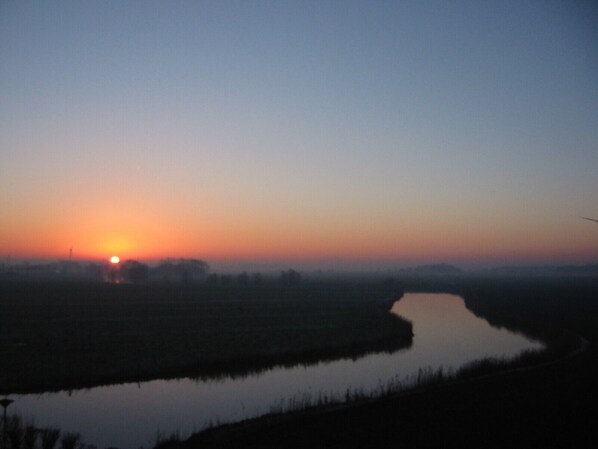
56, 336
541, 406
494, 411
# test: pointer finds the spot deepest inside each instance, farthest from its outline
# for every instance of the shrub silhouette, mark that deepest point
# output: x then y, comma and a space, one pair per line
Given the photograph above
30, 436
134, 271
70, 441
14, 431
50, 438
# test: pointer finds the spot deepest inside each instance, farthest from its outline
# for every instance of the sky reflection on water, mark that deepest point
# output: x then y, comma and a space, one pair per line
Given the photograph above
130, 415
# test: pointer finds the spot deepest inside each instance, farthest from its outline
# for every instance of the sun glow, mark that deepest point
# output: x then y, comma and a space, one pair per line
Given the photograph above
114, 259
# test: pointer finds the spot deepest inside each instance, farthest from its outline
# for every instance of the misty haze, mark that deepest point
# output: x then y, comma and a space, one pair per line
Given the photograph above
308, 224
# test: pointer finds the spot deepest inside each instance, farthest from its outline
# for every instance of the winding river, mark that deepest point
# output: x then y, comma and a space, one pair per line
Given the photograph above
131, 415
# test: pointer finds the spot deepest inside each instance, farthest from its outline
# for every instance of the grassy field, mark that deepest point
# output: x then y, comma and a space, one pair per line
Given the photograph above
64, 335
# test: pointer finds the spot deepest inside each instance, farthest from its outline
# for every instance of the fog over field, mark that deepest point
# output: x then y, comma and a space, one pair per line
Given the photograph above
298, 223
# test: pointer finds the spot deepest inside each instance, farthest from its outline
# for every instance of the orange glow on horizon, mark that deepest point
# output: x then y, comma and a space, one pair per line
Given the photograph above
221, 245
149, 233
222, 148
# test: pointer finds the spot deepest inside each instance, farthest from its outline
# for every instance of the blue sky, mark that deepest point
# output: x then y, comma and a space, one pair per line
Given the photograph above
302, 129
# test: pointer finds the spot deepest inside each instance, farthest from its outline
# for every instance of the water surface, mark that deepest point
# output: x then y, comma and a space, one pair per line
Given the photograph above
130, 415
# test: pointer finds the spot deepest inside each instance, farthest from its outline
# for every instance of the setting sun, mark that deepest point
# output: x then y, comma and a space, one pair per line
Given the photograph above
114, 259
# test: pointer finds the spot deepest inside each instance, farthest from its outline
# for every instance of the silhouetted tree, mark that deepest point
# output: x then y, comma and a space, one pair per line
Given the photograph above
134, 271
290, 277
243, 279
257, 279
226, 279
185, 270
213, 279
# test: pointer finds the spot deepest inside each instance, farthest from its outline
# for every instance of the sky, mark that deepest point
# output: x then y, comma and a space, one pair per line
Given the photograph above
325, 131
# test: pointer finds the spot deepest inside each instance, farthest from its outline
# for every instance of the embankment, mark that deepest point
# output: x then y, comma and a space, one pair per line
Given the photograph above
540, 405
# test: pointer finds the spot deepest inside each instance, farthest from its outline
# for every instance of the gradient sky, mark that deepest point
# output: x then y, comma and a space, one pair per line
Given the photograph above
348, 131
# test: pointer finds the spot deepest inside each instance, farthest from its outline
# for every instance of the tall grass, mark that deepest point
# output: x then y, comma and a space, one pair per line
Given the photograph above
425, 378
49, 438
164, 441
21, 435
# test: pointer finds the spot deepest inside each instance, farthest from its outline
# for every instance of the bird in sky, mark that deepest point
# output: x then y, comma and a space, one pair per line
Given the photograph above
591, 219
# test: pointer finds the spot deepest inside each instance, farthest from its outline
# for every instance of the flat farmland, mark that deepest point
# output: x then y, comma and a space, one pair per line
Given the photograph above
63, 335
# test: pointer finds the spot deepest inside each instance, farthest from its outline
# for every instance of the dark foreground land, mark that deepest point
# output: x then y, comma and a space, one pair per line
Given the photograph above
536, 409
549, 405
66, 335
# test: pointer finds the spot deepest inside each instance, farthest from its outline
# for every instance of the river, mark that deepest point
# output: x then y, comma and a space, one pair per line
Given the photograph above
131, 415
